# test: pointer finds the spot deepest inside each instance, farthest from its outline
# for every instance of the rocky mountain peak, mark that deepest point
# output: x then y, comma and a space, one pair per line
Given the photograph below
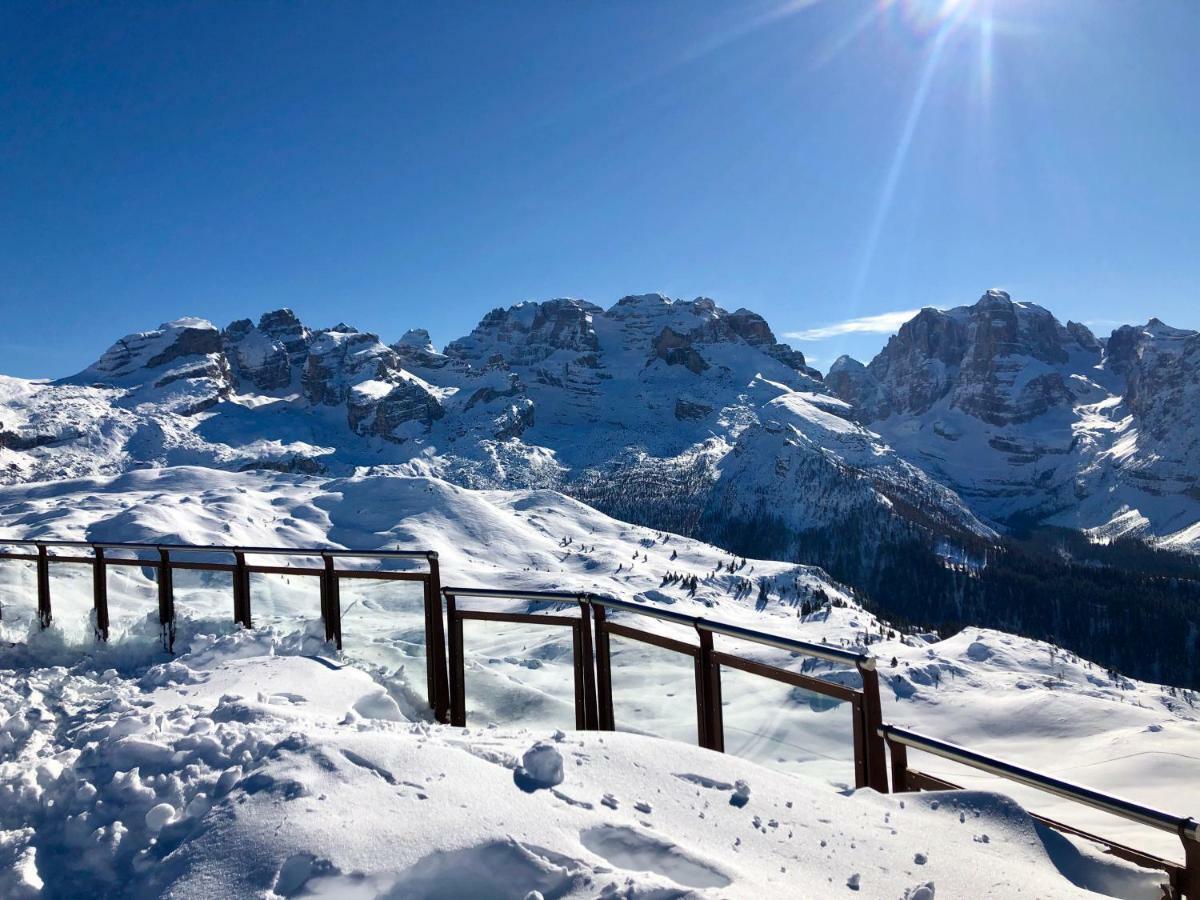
416, 339
179, 364
530, 332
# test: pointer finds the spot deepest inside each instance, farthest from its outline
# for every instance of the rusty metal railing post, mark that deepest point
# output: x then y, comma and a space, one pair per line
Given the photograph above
899, 761
1190, 879
100, 593
241, 590
166, 600
708, 695
604, 697
435, 643
591, 715
45, 617
457, 667
873, 718
859, 723
579, 665
331, 602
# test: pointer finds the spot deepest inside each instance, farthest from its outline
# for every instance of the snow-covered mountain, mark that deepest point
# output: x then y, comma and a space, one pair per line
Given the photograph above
677, 414
1032, 421
686, 418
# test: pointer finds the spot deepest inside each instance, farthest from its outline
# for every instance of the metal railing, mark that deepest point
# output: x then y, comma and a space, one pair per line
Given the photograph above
592, 664
164, 559
592, 628
1184, 879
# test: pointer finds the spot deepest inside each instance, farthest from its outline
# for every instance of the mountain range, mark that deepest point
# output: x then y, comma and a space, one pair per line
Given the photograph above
973, 427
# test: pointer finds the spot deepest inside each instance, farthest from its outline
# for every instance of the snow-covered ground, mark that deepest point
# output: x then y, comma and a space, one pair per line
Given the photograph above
250, 767
260, 761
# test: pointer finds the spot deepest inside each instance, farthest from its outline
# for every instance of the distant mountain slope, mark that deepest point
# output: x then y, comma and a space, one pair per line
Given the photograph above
1032, 421
559, 394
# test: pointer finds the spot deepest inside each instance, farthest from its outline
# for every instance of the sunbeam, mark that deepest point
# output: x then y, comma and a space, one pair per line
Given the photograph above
899, 157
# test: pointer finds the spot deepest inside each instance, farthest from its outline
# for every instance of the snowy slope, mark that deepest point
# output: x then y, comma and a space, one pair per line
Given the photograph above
995, 692
242, 770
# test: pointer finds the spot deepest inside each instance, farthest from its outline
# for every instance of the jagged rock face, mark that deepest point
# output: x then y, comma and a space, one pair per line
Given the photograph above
1031, 421
676, 350
392, 409
980, 357
179, 364
415, 350
350, 367
686, 410
1161, 366
268, 357
850, 381
530, 332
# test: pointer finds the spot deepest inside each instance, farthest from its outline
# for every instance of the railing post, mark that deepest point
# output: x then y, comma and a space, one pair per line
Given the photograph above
331, 603
604, 699
435, 643
458, 691
241, 590
100, 593
578, 663
899, 761
166, 600
708, 695
873, 719
591, 717
45, 617
859, 722
1190, 886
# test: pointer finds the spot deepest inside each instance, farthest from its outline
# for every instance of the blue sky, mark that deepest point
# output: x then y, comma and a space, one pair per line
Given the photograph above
396, 165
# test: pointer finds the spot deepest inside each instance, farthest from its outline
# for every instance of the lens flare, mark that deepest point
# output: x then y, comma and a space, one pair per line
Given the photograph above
925, 18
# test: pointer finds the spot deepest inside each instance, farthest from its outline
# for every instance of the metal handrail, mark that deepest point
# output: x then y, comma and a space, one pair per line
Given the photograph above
213, 548
807, 648
1186, 827
869, 749
494, 593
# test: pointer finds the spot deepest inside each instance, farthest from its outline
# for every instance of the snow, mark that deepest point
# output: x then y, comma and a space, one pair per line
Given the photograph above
286, 767
220, 783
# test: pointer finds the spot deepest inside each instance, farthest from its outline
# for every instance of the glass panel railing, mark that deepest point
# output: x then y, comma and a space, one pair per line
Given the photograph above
787, 727
287, 602
519, 672
653, 690
72, 600
203, 595
383, 629
18, 596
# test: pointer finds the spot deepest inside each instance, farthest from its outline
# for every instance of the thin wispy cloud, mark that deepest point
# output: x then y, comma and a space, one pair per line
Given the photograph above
883, 323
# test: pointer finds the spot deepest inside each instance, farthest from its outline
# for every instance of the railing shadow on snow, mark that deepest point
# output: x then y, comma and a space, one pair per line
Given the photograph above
592, 629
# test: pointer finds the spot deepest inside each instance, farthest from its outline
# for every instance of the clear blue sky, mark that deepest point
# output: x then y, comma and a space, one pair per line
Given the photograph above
396, 165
